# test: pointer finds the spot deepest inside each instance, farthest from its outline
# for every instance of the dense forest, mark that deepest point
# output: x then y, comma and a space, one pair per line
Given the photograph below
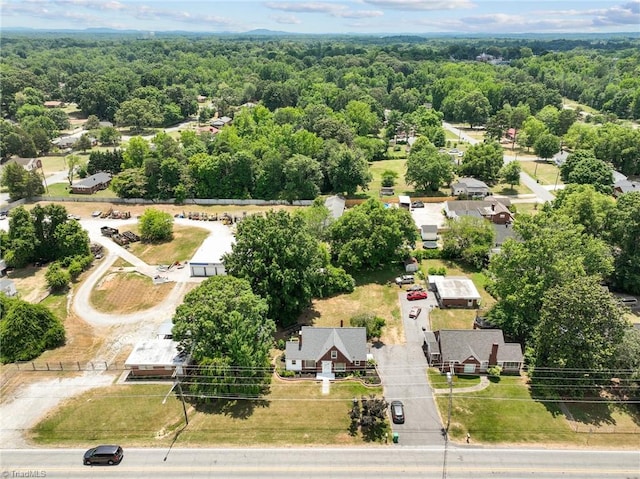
322, 103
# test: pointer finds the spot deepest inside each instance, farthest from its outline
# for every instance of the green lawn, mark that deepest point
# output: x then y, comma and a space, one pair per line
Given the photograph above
546, 173
378, 167
505, 189
293, 413
505, 413
186, 240
439, 380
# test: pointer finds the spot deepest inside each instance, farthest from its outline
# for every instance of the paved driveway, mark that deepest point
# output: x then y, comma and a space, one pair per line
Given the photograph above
403, 369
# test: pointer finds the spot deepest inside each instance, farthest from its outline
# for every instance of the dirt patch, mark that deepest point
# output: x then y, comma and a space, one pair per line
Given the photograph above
30, 283
123, 293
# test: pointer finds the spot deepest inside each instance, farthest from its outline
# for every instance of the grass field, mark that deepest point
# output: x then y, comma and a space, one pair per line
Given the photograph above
186, 240
505, 413
292, 413
127, 292
545, 173
373, 294
439, 380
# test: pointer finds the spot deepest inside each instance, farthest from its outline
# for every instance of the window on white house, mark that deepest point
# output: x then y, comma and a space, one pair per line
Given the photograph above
340, 367
309, 363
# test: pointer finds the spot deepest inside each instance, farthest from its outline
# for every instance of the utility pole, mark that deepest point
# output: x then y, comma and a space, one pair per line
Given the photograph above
184, 407
450, 381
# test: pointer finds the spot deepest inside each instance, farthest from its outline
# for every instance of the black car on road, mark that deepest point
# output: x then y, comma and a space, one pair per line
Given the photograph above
397, 412
106, 454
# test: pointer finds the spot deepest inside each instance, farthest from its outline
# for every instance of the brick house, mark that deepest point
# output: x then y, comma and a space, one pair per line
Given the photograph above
325, 351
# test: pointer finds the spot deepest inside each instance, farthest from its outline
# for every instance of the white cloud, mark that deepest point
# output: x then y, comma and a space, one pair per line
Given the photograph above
326, 8
430, 5
285, 19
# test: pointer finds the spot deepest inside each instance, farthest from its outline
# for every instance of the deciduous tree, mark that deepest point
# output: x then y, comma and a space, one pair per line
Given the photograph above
155, 226
580, 328
225, 329
280, 259
370, 235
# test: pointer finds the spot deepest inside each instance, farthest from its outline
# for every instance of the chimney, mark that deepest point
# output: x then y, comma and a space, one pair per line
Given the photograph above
299, 339
341, 323
493, 206
493, 357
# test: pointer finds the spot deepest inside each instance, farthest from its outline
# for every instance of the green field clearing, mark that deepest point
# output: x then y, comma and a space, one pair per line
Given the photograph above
293, 413
546, 173
186, 240
505, 413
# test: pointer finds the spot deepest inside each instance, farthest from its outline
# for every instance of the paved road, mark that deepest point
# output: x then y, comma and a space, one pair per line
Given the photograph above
389, 462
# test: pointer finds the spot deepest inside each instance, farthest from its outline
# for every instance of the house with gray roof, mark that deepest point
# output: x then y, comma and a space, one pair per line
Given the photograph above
326, 351
470, 187
473, 351
91, 184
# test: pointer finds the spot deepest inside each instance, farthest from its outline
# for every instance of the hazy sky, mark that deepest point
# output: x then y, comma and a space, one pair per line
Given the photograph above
356, 16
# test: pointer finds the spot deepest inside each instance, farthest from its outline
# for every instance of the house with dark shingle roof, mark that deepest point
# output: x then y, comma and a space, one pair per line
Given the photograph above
473, 351
326, 351
91, 184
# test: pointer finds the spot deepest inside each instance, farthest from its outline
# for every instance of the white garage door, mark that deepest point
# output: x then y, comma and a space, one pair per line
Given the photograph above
198, 271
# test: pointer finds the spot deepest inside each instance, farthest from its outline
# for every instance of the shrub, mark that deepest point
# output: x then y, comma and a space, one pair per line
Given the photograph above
56, 277
27, 330
75, 268
373, 323
494, 371
441, 271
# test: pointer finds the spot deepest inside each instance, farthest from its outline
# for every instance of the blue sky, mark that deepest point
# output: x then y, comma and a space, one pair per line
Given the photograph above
328, 16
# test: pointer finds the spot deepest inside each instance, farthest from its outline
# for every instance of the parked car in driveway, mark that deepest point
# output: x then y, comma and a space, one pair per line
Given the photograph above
405, 279
414, 295
415, 312
397, 412
106, 454
417, 204
415, 287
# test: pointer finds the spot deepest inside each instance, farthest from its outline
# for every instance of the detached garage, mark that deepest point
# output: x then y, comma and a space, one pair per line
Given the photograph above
208, 259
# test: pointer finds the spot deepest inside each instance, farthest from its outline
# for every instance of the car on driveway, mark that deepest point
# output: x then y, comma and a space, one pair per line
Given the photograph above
415, 295
397, 412
405, 279
417, 204
415, 312
106, 454
415, 287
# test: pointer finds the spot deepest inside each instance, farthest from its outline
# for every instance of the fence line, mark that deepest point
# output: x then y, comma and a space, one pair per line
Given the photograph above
67, 366
195, 201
